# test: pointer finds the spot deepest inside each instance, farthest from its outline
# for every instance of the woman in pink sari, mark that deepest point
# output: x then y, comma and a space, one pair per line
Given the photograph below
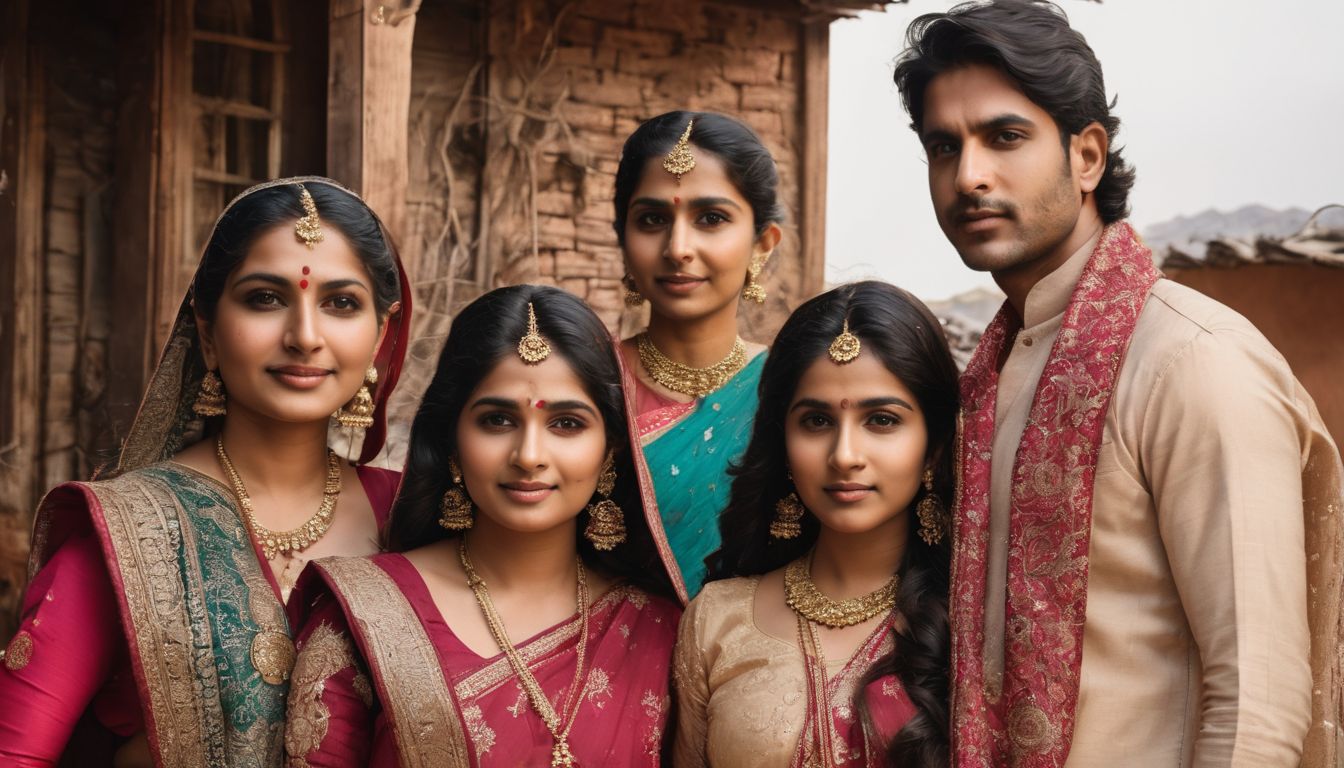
153, 628
528, 618
828, 646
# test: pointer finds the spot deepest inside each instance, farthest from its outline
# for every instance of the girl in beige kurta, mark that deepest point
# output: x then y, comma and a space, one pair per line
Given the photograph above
822, 636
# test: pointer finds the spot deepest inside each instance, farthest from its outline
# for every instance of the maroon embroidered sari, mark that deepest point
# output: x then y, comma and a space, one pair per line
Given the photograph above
385, 682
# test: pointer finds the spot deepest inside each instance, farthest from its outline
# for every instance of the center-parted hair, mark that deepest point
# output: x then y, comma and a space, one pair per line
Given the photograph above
484, 333
909, 340
748, 163
1032, 43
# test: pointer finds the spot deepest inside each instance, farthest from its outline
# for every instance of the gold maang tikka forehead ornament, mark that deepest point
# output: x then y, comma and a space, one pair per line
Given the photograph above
308, 228
532, 348
846, 346
680, 161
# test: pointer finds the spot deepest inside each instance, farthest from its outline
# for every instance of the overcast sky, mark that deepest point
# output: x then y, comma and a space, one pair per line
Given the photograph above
1221, 105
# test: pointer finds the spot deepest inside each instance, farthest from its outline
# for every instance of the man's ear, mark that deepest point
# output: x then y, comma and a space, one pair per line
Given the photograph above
1088, 156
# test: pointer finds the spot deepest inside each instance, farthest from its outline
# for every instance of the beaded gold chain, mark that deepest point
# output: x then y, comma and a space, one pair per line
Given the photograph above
561, 756
696, 382
802, 595
275, 543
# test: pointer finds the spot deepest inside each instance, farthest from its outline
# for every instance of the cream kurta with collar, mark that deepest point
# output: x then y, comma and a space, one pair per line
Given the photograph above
1195, 646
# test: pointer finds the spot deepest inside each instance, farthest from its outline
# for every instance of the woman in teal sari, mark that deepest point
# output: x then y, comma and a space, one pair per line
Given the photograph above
697, 218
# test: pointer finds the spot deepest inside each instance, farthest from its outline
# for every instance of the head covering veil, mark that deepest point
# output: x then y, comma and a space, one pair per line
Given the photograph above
165, 421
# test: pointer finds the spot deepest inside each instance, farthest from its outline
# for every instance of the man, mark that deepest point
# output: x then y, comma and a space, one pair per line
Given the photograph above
1147, 536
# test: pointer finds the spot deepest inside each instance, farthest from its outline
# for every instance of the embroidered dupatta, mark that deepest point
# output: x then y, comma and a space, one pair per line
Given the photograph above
1028, 718
685, 462
198, 608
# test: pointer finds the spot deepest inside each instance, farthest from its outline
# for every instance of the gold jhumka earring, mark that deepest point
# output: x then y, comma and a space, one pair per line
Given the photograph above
680, 161
632, 298
606, 521
754, 291
308, 228
933, 519
455, 509
846, 346
358, 413
210, 400
532, 348
788, 516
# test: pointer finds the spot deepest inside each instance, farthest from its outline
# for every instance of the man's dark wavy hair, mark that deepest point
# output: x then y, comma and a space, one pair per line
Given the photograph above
1031, 42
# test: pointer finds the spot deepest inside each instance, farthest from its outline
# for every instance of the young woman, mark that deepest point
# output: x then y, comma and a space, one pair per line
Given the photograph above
528, 619
830, 644
153, 628
697, 219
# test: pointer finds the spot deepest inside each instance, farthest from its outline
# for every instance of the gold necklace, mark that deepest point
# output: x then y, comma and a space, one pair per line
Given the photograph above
561, 756
807, 601
696, 382
275, 543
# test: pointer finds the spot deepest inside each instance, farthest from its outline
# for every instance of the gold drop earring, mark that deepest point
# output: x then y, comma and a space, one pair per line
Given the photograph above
754, 291
632, 297
788, 516
606, 520
455, 509
358, 412
210, 399
933, 519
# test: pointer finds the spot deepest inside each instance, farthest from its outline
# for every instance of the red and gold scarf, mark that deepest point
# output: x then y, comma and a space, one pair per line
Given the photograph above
1029, 720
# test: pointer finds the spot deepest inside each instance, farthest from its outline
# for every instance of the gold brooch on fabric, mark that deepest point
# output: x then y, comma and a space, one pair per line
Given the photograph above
308, 228
532, 348
846, 346
680, 161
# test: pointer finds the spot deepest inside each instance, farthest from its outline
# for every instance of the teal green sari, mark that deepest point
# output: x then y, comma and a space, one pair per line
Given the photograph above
688, 462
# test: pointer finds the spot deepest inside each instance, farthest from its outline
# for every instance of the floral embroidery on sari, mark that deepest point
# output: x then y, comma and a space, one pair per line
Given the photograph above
329, 652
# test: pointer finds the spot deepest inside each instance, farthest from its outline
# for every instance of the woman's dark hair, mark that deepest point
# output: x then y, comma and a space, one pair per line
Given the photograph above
749, 164
1032, 43
482, 334
909, 340
265, 209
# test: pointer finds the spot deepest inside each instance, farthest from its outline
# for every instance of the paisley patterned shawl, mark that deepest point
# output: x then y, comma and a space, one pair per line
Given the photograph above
684, 465
1029, 720
192, 597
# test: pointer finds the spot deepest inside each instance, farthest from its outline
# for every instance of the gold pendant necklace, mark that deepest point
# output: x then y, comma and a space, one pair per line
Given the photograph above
561, 756
807, 601
275, 543
696, 382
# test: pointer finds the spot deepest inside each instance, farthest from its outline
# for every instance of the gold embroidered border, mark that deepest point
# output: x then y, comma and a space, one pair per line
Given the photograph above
325, 654
499, 670
143, 524
406, 669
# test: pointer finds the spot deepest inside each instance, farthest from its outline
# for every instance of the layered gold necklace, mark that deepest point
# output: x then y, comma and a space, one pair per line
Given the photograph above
802, 595
275, 543
696, 382
561, 756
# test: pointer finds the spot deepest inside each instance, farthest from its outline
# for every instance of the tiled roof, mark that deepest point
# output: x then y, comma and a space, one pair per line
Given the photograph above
1316, 243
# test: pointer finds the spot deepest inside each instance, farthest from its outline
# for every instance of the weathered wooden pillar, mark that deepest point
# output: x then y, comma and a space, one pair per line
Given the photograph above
816, 96
22, 130
369, 99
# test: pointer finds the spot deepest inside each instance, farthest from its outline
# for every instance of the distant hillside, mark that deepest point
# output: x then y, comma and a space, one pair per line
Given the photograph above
1247, 221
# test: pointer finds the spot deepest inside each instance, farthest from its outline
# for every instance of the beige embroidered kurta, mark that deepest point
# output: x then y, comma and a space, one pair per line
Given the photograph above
741, 693
1195, 647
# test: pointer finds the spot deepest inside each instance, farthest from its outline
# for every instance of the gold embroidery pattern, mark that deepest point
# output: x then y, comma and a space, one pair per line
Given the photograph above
19, 652
497, 672
325, 654
144, 525
481, 734
425, 720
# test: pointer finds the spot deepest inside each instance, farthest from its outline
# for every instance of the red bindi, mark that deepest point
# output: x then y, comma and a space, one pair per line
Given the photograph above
541, 403
303, 285
676, 201
306, 270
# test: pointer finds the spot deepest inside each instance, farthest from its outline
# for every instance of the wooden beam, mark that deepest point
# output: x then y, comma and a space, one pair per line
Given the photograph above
222, 177
815, 100
234, 108
22, 147
369, 98
238, 41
